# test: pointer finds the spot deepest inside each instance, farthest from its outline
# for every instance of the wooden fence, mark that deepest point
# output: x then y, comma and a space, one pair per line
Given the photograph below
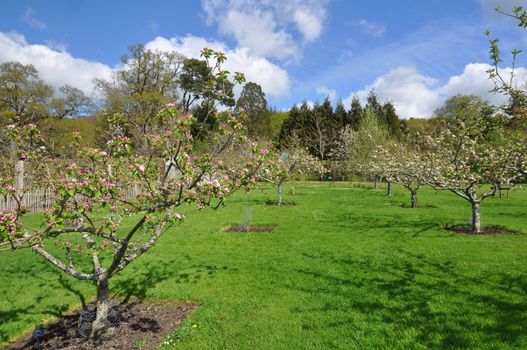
39, 200
35, 200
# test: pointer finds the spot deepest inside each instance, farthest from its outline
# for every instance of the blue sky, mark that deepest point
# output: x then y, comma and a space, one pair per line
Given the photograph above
416, 53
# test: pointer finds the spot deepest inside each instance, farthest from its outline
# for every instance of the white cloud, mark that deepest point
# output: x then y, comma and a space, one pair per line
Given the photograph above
258, 31
413, 94
273, 79
373, 28
308, 23
31, 19
264, 26
58, 67
55, 67
416, 95
327, 92
309, 103
475, 81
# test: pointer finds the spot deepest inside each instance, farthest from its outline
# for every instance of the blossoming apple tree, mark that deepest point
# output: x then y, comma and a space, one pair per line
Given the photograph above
471, 157
292, 161
99, 228
401, 164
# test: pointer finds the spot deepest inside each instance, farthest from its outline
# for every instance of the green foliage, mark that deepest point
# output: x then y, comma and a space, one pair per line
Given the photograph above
356, 147
193, 81
58, 133
341, 115
459, 106
356, 113
391, 120
252, 100
72, 103
141, 90
24, 97
319, 128
253, 104
268, 125
316, 128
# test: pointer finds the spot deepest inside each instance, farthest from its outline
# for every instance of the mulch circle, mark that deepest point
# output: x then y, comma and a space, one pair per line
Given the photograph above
280, 204
485, 231
249, 229
142, 323
426, 206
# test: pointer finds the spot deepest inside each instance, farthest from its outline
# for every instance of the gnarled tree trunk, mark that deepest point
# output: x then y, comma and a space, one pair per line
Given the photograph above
100, 324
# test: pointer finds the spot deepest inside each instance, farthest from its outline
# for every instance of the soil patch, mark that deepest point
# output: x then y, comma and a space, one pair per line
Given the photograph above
144, 325
426, 206
486, 231
280, 204
249, 229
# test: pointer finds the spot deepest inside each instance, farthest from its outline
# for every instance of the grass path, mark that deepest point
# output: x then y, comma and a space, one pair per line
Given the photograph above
347, 268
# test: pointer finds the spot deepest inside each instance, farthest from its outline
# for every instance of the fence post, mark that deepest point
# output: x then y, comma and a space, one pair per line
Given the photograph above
19, 175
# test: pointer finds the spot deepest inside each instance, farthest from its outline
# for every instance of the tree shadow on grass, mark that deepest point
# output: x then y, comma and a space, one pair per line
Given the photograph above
18, 314
396, 223
413, 294
140, 283
67, 284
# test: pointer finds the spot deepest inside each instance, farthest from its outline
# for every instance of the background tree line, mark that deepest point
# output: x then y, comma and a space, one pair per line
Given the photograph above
149, 80
135, 94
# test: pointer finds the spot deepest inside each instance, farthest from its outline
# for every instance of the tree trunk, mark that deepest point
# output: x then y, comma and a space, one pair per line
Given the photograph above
389, 190
414, 198
279, 202
376, 182
476, 217
100, 324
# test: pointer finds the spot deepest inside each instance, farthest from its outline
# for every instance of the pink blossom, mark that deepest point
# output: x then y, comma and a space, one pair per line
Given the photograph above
170, 105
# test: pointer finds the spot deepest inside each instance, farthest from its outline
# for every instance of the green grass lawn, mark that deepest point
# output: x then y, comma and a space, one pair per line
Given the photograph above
347, 268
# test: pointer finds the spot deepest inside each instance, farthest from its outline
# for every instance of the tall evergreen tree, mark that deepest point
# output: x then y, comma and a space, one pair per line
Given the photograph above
356, 113
293, 124
316, 128
252, 101
393, 124
373, 104
341, 115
